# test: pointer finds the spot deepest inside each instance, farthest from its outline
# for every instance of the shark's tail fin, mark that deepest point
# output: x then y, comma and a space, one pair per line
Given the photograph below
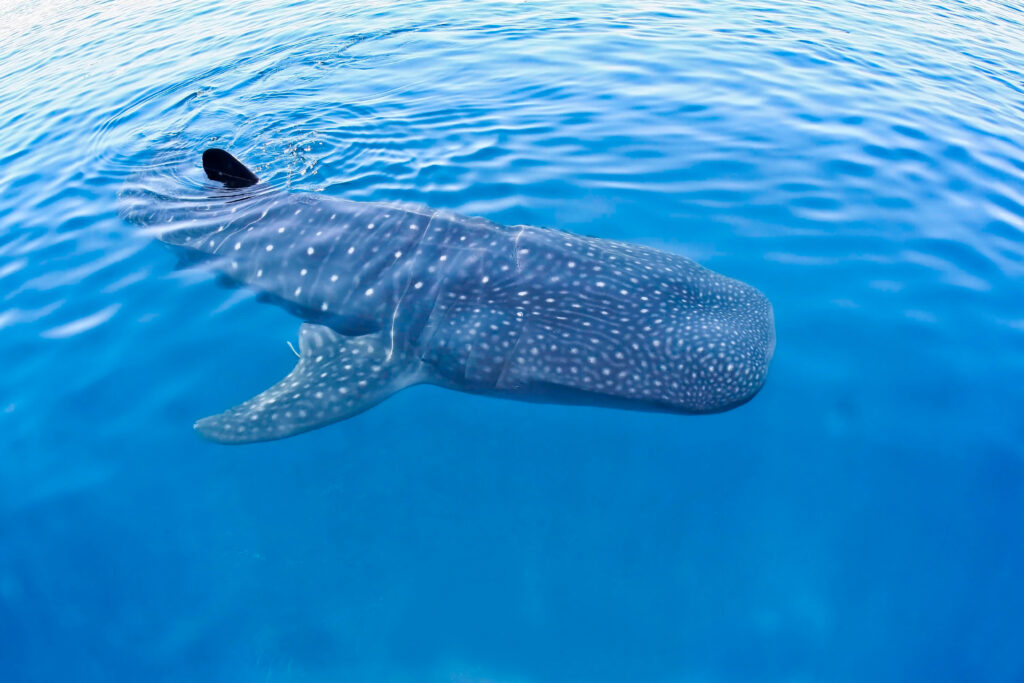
224, 168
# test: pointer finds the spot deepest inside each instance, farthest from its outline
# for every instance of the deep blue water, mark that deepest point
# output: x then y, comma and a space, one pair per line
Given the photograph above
861, 519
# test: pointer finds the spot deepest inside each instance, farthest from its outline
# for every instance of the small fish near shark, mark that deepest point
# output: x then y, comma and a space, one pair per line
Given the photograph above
393, 296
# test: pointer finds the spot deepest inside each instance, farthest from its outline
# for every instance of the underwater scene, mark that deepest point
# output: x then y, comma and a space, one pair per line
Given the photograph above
531, 342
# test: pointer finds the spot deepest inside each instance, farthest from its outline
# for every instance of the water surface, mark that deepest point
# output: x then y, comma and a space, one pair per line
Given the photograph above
859, 520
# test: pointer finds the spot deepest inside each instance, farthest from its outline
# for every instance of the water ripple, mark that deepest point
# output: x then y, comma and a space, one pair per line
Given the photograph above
861, 163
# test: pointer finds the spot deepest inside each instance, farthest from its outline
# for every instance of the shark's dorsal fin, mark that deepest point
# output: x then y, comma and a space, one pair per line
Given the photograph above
224, 168
336, 378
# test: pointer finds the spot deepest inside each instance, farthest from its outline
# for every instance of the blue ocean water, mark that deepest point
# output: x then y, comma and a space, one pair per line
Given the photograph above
861, 519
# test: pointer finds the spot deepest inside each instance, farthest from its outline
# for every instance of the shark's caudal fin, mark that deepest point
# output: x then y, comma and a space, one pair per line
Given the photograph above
224, 168
336, 378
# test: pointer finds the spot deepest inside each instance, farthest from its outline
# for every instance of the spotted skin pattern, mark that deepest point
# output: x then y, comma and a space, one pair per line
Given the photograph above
514, 311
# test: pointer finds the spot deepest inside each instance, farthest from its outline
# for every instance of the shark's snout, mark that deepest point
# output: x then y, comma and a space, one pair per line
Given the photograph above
721, 359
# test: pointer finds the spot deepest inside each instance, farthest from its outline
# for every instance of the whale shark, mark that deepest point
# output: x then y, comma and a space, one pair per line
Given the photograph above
394, 295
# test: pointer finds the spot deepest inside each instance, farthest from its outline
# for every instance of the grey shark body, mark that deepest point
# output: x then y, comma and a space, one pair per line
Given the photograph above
393, 296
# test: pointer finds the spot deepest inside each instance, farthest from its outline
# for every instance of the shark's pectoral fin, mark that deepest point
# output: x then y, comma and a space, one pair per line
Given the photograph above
336, 378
